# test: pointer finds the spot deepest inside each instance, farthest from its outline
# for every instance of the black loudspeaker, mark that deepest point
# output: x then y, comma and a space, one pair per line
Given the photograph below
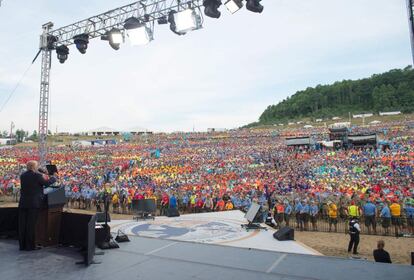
101, 234
285, 233
173, 212
100, 217
412, 258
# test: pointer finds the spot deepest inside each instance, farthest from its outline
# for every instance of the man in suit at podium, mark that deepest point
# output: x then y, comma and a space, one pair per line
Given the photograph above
31, 197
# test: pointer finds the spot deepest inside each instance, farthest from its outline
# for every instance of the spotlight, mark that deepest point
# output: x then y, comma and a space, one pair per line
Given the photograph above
171, 20
184, 21
162, 20
81, 41
211, 8
62, 53
254, 6
114, 37
138, 32
234, 5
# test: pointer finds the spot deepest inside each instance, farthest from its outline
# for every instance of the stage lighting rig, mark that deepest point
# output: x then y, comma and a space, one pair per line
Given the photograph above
254, 6
62, 53
234, 5
211, 8
182, 15
162, 20
116, 36
138, 33
184, 21
81, 41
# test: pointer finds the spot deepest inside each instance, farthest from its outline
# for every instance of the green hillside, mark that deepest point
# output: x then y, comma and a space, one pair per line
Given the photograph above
390, 91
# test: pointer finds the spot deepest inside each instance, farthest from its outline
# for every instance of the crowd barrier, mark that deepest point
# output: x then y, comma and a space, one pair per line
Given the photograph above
377, 225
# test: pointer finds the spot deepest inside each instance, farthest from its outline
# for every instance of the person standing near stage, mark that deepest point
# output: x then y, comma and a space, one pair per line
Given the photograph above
353, 211
409, 213
288, 212
298, 208
370, 211
333, 215
395, 209
279, 213
313, 211
385, 217
380, 255
32, 184
354, 231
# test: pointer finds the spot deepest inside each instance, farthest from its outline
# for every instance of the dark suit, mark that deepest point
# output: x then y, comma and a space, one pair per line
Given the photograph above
31, 197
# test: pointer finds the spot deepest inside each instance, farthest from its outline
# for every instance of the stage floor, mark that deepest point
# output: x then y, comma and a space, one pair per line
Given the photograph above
220, 228
149, 258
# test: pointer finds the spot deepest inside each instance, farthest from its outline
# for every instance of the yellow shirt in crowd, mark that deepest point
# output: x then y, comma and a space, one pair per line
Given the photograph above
395, 209
333, 211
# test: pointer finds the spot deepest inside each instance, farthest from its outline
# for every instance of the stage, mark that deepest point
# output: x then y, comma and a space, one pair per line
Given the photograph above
150, 258
220, 228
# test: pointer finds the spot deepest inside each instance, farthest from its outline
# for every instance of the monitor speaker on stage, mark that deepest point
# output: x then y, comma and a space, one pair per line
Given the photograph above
285, 233
101, 218
251, 214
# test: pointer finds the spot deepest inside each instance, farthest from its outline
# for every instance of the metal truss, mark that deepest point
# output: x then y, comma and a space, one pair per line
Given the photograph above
44, 92
95, 27
410, 10
144, 10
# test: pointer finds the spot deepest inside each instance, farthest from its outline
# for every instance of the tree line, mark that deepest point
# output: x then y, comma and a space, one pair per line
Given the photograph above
21, 135
390, 91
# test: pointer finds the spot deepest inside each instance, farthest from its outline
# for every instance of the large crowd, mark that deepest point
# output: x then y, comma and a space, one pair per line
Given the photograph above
198, 172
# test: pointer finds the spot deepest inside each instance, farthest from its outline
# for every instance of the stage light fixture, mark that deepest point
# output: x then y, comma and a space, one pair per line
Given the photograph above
62, 53
81, 41
254, 6
115, 36
171, 20
138, 33
186, 20
107, 37
234, 5
162, 20
211, 8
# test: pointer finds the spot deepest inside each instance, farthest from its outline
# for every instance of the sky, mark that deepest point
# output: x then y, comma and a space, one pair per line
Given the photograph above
222, 76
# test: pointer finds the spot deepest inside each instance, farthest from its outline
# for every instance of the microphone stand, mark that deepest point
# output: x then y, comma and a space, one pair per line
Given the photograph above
108, 242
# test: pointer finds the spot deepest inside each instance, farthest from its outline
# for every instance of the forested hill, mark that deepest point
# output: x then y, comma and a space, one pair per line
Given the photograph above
393, 90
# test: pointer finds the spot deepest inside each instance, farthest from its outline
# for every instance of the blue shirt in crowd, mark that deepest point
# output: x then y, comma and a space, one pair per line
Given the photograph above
314, 210
288, 209
298, 207
369, 209
305, 209
173, 202
385, 212
409, 211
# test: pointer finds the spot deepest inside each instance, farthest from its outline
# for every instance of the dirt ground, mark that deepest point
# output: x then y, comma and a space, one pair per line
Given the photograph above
336, 244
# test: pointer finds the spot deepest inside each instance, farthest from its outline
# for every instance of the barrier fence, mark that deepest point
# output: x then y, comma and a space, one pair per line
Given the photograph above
401, 226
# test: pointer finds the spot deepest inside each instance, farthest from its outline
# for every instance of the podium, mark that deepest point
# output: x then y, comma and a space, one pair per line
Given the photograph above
50, 216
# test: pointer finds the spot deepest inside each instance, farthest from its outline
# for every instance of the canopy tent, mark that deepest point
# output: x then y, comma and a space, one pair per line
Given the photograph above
363, 140
299, 141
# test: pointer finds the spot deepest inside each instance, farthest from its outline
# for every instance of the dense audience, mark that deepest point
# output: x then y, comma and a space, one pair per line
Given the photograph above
199, 172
